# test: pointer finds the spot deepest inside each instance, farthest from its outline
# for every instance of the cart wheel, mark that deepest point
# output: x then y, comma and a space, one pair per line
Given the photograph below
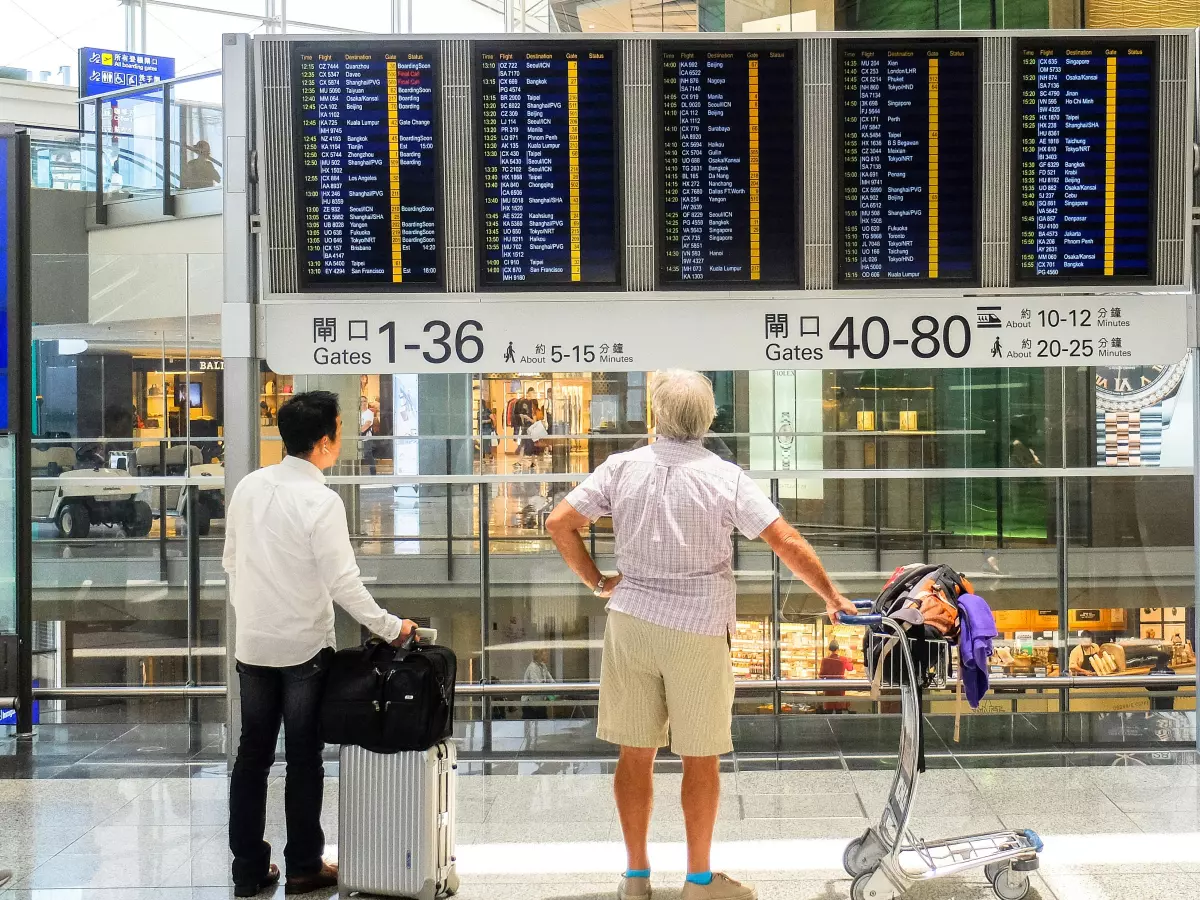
858, 887
1009, 884
858, 857
992, 869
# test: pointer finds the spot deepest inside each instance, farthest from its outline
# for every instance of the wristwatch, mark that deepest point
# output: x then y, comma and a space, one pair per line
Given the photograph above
1133, 406
600, 585
785, 437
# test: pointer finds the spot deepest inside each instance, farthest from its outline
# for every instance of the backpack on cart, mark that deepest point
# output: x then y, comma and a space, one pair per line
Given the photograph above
919, 593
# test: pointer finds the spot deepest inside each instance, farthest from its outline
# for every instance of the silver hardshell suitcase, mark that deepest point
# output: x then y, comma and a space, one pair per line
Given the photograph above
396, 822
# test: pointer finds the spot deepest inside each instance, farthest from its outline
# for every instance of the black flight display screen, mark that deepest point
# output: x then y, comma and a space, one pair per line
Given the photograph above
907, 117
548, 143
367, 165
728, 165
1086, 125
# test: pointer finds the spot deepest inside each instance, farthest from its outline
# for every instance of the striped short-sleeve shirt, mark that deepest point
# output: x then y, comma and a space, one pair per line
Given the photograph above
674, 506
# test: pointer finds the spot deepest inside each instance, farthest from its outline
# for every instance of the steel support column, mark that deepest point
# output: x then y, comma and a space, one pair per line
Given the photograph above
238, 346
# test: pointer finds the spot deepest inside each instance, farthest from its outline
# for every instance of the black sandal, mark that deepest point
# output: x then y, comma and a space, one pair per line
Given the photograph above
250, 890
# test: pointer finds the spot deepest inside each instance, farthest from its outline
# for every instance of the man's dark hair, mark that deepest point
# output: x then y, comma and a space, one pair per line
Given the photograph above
306, 418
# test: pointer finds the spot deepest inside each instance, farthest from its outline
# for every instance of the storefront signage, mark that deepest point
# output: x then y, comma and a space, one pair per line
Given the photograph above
102, 71
1087, 615
832, 332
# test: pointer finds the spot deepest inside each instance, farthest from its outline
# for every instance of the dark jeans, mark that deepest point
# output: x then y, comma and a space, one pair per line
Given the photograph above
289, 696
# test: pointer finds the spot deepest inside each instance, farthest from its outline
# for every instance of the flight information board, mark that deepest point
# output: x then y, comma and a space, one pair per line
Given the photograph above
907, 116
728, 167
366, 165
1086, 135
548, 159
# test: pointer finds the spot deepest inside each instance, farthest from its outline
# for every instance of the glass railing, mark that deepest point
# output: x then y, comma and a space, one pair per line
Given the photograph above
138, 599
161, 141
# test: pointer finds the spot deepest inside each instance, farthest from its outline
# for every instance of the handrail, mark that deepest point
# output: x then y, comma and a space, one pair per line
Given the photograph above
749, 686
149, 87
10, 702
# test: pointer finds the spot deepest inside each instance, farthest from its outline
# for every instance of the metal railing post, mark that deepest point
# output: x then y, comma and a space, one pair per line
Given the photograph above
449, 512
168, 196
162, 505
485, 607
101, 209
193, 592
776, 626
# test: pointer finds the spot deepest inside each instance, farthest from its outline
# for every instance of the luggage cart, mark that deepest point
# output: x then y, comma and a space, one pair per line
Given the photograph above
888, 860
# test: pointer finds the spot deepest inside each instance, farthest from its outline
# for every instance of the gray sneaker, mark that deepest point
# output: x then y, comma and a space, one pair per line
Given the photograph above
633, 888
722, 887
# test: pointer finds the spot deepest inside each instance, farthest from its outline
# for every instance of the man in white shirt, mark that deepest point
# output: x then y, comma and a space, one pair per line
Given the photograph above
289, 559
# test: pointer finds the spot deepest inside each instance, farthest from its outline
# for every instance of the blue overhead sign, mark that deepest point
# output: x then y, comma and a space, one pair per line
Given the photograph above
102, 71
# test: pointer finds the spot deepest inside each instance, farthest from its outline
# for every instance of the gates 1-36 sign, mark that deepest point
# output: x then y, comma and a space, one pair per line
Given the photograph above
823, 333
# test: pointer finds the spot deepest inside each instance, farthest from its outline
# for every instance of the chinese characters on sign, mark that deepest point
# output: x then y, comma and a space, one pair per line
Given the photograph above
616, 336
102, 71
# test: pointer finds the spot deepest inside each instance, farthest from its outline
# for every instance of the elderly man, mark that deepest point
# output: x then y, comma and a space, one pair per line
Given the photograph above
671, 608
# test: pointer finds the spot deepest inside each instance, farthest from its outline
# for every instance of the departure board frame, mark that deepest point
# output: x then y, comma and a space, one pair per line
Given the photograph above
965, 42
386, 45
550, 43
704, 44
1048, 282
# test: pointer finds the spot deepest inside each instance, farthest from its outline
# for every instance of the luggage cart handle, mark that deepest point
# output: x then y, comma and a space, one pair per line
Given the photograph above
868, 620
861, 619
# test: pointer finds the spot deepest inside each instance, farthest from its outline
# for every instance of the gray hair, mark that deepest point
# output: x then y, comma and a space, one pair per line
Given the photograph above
683, 404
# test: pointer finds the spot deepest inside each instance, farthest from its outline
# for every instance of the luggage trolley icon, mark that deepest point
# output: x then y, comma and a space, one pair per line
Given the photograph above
887, 859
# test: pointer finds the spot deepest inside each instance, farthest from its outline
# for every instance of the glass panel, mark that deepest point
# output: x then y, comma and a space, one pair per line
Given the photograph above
1131, 602
131, 135
197, 135
63, 160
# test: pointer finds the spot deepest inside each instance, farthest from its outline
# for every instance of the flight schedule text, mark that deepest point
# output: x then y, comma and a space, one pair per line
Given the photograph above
367, 165
1086, 131
907, 117
729, 165
549, 165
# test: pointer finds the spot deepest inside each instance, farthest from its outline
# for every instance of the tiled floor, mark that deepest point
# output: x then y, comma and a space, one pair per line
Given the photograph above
1130, 830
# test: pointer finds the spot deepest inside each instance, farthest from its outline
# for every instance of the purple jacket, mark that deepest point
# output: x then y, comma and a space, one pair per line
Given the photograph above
977, 627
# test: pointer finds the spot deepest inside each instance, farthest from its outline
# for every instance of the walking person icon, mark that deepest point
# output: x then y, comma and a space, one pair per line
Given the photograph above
509, 355
996, 348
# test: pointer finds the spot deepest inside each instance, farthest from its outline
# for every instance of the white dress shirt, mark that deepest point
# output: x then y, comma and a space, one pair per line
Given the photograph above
289, 559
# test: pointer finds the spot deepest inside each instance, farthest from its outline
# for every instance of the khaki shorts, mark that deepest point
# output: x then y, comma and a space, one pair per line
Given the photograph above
654, 678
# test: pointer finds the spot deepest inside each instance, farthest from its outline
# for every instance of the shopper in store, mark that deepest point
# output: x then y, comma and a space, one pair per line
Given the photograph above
525, 414
835, 666
1082, 658
666, 668
366, 430
289, 559
487, 433
538, 672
